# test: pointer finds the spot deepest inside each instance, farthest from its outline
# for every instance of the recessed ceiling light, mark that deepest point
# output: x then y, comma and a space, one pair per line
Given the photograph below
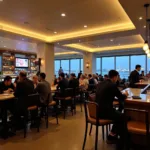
63, 14
1, 0
58, 43
55, 32
4, 46
119, 44
111, 40
140, 18
144, 26
22, 39
85, 26
79, 40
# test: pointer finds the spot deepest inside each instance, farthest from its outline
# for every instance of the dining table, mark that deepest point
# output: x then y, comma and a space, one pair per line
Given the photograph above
4, 100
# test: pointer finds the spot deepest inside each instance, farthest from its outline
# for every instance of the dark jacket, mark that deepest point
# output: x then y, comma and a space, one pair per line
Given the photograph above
105, 95
74, 83
62, 85
91, 81
43, 88
3, 87
134, 78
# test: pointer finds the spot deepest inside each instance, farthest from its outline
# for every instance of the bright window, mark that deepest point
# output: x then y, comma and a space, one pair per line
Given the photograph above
98, 65
57, 66
65, 66
107, 64
75, 66
122, 66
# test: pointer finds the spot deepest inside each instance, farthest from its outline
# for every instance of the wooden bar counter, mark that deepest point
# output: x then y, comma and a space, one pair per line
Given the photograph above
142, 84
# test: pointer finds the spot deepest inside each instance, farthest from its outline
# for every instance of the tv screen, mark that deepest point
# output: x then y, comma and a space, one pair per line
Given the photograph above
21, 62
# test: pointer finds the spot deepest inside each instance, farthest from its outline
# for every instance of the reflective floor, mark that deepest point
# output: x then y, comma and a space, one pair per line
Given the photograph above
68, 135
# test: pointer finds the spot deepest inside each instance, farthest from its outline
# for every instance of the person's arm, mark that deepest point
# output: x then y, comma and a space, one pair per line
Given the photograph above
118, 94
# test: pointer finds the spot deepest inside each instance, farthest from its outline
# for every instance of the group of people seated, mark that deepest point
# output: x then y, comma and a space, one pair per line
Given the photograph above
22, 88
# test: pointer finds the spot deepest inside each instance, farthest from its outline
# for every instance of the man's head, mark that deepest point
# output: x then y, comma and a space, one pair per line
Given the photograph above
138, 67
22, 75
113, 75
72, 75
7, 80
62, 76
42, 76
89, 76
35, 79
106, 77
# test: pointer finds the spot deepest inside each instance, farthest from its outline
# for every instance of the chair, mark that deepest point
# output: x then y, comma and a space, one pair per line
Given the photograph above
92, 117
48, 105
78, 97
92, 98
67, 100
138, 127
32, 102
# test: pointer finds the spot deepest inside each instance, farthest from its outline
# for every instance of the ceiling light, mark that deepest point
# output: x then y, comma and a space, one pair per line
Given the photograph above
140, 18
111, 40
85, 26
145, 47
22, 39
1, 0
4, 46
79, 40
119, 44
55, 32
63, 14
58, 43
144, 26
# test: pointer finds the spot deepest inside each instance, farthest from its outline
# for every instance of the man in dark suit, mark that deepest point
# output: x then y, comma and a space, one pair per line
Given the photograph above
73, 82
24, 88
135, 76
79, 74
91, 80
105, 95
63, 84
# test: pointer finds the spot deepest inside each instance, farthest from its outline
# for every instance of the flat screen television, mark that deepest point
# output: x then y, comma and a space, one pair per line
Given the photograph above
22, 62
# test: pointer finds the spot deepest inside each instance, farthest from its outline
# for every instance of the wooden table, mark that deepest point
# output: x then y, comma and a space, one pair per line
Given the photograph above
4, 97
4, 100
142, 84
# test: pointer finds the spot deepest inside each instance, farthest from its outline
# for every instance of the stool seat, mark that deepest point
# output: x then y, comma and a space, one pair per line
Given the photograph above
32, 107
136, 127
101, 121
52, 103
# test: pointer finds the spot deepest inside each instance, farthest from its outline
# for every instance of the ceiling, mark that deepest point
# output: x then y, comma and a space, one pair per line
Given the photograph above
110, 25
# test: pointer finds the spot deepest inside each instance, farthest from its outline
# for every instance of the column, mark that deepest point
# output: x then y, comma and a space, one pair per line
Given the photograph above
89, 58
45, 51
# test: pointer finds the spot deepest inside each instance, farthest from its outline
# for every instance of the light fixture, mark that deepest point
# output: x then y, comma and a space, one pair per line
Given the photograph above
148, 55
55, 32
147, 51
111, 40
63, 14
87, 65
22, 39
144, 26
140, 18
146, 44
85, 26
1, 0
4, 46
146, 47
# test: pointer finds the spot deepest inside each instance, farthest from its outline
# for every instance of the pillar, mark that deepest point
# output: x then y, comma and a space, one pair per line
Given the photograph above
89, 58
45, 51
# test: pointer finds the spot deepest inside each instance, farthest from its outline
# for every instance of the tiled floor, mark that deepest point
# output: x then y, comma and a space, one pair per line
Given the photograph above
68, 135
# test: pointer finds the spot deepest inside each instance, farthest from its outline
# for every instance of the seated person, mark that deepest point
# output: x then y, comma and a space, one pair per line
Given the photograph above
105, 95
16, 81
83, 83
73, 82
55, 80
91, 80
106, 77
63, 84
35, 80
24, 88
43, 88
6, 85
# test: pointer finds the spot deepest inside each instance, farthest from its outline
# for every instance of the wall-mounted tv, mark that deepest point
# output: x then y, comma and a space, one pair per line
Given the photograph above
22, 62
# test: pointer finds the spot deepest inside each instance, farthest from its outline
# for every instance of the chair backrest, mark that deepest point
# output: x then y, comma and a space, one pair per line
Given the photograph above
91, 111
92, 97
69, 92
33, 99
